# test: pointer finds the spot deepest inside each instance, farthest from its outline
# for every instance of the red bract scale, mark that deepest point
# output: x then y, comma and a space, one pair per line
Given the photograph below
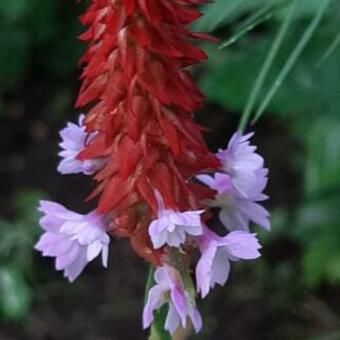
140, 100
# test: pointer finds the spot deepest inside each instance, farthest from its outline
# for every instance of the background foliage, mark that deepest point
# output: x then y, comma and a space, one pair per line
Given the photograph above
293, 292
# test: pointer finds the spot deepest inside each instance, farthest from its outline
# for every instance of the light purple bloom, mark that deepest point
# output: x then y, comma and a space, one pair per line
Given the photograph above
237, 211
217, 252
73, 239
169, 289
74, 139
171, 227
243, 164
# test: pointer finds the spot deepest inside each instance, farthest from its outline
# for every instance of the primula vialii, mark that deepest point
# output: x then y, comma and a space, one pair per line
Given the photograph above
156, 179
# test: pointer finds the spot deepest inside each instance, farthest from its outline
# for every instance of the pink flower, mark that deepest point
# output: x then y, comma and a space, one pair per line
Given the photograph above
243, 164
169, 289
217, 252
237, 211
172, 227
74, 139
73, 239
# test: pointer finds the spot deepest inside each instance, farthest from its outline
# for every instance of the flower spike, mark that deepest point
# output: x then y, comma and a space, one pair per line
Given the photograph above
140, 144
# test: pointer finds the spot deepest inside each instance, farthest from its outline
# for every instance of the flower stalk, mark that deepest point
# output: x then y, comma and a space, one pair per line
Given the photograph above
156, 180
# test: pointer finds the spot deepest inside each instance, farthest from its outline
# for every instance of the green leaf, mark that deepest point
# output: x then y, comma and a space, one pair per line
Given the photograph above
15, 296
323, 161
317, 221
321, 256
14, 10
229, 76
291, 61
215, 14
26, 203
263, 73
313, 263
264, 13
332, 47
333, 268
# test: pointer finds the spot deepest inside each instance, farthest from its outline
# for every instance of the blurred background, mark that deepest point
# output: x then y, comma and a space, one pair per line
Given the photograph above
293, 291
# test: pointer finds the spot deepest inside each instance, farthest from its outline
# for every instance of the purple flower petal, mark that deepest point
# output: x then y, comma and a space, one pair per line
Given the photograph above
172, 321
233, 219
238, 211
66, 259
169, 289
216, 253
155, 300
196, 319
172, 227
244, 166
74, 138
179, 300
76, 267
204, 269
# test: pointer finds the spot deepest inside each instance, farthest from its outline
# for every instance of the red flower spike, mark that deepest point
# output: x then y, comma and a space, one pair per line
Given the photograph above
142, 101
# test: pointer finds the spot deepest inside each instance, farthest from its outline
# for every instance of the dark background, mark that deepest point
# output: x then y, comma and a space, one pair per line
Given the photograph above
292, 292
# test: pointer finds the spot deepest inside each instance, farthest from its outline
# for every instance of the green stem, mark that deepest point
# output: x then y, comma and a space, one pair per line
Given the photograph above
149, 282
307, 35
258, 85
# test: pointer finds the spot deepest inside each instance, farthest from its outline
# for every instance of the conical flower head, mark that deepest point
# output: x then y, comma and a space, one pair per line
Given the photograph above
141, 101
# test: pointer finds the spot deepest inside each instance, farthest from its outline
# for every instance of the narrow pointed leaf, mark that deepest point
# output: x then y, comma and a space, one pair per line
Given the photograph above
216, 14
332, 47
294, 56
264, 13
273, 51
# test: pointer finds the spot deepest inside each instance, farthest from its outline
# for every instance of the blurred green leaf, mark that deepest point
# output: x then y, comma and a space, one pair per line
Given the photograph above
229, 76
292, 59
263, 73
26, 204
16, 245
264, 13
14, 10
332, 47
321, 257
37, 32
217, 13
15, 295
317, 220
323, 162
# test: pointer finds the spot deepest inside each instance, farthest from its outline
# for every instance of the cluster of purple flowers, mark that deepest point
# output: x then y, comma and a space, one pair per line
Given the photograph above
239, 187
74, 239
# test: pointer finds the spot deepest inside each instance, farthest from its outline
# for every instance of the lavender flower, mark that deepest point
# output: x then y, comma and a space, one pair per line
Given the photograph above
236, 210
169, 289
73, 239
217, 252
171, 226
73, 142
243, 164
